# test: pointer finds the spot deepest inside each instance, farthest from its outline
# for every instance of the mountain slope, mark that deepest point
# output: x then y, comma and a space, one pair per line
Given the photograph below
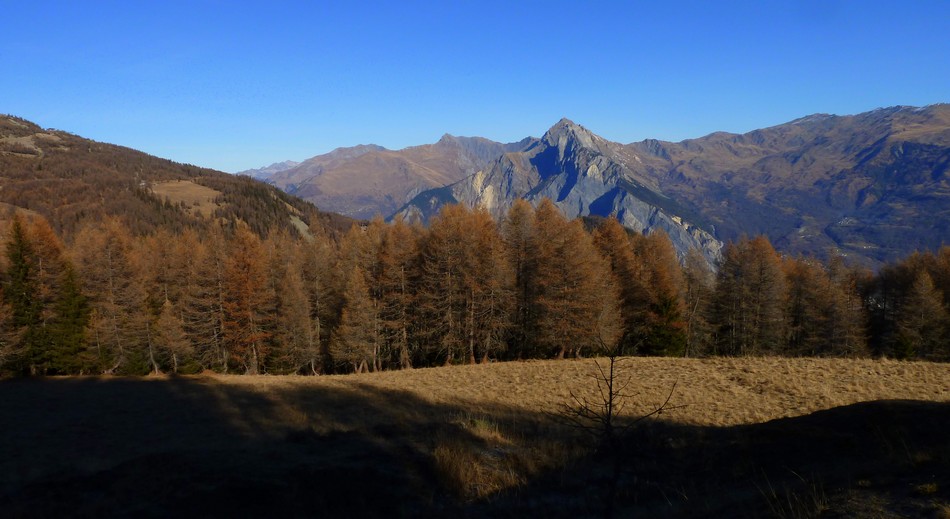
366, 180
70, 181
585, 175
874, 186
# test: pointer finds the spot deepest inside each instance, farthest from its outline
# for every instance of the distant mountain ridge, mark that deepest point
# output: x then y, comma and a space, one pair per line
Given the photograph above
366, 180
872, 186
266, 172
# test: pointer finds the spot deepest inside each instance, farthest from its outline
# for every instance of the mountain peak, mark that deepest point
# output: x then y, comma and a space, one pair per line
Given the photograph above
448, 138
566, 132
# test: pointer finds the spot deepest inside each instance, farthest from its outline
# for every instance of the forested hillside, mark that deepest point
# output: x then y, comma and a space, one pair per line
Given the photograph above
71, 181
466, 289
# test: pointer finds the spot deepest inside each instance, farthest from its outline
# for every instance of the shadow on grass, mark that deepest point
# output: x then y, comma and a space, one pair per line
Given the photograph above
200, 447
871, 459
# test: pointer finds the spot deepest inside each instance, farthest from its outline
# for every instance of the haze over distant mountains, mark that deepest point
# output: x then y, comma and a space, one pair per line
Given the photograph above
873, 186
366, 180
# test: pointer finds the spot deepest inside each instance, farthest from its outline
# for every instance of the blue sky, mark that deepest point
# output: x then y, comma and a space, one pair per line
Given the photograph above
235, 85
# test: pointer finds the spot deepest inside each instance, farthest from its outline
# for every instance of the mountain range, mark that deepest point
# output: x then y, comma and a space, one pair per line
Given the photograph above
366, 180
872, 186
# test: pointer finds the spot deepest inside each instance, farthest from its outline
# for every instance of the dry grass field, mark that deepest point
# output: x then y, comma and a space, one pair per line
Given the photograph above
753, 437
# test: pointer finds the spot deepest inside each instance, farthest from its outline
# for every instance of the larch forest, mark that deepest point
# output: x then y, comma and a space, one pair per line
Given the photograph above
109, 299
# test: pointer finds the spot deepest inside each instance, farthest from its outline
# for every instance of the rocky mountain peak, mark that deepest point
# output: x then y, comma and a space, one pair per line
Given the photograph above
568, 137
566, 132
448, 138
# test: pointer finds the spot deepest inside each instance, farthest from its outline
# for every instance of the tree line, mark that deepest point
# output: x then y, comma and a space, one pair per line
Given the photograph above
466, 289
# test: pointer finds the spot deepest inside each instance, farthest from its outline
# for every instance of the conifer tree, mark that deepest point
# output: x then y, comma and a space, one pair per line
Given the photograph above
9, 336
68, 329
171, 338
112, 283
848, 315
576, 306
699, 279
294, 333
630, 276
248, 303
666, 328
360, 248
322, 286
464, 286
922, 321
355, 340
202, 300
20, 290
750, 299
518, 233
398, 253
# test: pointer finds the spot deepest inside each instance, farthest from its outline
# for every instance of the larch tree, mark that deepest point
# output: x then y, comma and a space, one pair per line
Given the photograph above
490, 285
699, 281
170, 336
630, 276
848, 321
807, 304
354, 342
322, 286
941, 273
398, 253
577, 306
464, 286
518, 234
248, 302
202, 301
666, 327
750, 299
360, 249
922, 321
166, 259
112, 282
824, 313
294, 333
443, 297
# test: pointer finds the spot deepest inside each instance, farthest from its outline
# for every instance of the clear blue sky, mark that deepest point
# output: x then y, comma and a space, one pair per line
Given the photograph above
235, 85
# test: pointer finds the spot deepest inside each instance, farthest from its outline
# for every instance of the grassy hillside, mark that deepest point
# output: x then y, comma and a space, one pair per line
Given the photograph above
745, 437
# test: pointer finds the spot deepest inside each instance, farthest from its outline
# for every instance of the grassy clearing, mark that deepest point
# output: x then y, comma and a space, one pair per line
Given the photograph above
776, 436
718, 392
198, 199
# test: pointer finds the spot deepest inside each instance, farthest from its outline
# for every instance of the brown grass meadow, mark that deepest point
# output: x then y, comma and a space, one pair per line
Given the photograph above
754, 437
199, 199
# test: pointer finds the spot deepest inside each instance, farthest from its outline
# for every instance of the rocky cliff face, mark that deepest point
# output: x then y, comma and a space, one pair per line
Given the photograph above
584, 175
